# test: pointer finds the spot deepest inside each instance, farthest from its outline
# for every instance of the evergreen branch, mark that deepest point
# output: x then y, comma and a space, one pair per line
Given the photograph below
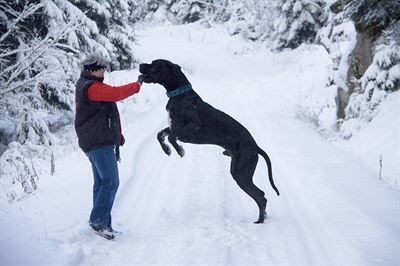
311, 3
211, 4
29, 10
22, 84
66, 47
38, 51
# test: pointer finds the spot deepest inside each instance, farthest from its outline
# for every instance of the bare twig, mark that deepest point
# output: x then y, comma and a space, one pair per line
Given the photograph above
211, 4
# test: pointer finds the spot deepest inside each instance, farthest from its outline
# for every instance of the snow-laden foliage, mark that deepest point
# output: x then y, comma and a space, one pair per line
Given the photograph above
177, 11
252, 19
188, 11
372, 14
36, 85
381, 78
297, 22
42, 43
371, 88
338, 38
114, 34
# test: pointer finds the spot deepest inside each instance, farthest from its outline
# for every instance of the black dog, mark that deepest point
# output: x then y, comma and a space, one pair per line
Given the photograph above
194, 121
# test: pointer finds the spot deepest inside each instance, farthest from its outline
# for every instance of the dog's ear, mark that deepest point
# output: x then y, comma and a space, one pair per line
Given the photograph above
174, 67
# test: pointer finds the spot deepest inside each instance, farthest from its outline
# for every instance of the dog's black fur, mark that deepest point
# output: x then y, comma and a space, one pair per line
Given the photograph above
195, 121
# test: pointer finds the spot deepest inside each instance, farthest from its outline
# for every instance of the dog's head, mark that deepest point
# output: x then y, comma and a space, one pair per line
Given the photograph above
163, 72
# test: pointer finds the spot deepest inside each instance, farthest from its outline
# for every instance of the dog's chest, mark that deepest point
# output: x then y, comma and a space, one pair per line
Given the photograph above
169, 119
174, 113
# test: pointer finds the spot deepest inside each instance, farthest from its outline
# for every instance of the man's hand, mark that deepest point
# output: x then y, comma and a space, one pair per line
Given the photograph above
140, 79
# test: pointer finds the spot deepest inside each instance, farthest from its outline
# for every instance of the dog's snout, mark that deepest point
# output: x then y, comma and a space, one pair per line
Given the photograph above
144, 68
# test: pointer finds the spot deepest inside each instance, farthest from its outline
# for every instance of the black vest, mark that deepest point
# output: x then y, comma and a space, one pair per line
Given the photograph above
95, 122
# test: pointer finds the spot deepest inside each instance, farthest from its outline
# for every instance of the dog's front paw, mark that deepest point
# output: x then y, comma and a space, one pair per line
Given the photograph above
181, 151
166, 149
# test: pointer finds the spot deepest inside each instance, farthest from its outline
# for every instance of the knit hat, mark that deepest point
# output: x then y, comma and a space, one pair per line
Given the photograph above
94, 62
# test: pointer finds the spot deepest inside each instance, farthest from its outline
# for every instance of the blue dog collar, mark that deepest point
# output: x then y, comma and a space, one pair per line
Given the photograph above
179, 91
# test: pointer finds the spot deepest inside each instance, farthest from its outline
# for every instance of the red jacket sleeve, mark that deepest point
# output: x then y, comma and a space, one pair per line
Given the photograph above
100, 92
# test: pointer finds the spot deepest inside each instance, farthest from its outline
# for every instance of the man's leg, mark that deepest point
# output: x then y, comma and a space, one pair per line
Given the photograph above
96, 183
104, 161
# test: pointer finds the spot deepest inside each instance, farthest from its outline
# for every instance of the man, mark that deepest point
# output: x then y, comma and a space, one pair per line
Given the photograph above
98, 127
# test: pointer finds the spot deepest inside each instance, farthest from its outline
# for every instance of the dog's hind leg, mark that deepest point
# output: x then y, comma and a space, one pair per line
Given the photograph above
242, 169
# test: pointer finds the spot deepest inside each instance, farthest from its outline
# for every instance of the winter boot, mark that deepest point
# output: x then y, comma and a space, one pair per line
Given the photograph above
104, 232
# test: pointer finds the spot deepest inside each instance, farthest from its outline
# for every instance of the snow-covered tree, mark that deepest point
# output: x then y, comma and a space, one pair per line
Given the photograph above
322, 106
372, 15
138, 10
370, 18
35, 86
363, 41
374, 62
251, 18
186, 11
297, 22
381, 78
114, 31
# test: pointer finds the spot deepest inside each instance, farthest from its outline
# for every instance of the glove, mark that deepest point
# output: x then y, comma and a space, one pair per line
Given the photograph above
140, 79
122, 140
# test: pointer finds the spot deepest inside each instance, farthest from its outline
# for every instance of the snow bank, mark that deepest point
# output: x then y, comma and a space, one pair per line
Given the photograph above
377, 143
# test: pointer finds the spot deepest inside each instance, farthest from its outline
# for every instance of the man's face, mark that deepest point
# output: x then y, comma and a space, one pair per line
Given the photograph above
99, 73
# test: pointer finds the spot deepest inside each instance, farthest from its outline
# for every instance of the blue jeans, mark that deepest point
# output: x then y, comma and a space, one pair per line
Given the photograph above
106, 182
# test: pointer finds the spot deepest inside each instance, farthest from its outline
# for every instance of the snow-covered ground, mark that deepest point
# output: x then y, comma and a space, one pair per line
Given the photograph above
333, 209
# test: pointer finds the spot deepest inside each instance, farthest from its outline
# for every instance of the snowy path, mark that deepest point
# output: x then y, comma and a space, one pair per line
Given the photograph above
172, 211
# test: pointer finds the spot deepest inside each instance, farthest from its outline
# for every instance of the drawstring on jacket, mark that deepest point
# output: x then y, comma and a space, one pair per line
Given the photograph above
115, 128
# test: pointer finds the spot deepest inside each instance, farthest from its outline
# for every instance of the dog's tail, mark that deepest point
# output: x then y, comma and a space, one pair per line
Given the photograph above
264, 154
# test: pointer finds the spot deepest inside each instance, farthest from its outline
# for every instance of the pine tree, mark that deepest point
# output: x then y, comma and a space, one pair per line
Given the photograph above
251, 18
186, 11
114, 32
297, 22
372, 15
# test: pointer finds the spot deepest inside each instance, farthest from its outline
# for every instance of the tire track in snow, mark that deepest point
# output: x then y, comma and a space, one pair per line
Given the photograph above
138, 182
253, 241
83, 246
192, 226
320, 243
340, 222
157, 218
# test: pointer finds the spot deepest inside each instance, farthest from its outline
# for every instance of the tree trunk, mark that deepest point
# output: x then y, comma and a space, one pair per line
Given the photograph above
360, 60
